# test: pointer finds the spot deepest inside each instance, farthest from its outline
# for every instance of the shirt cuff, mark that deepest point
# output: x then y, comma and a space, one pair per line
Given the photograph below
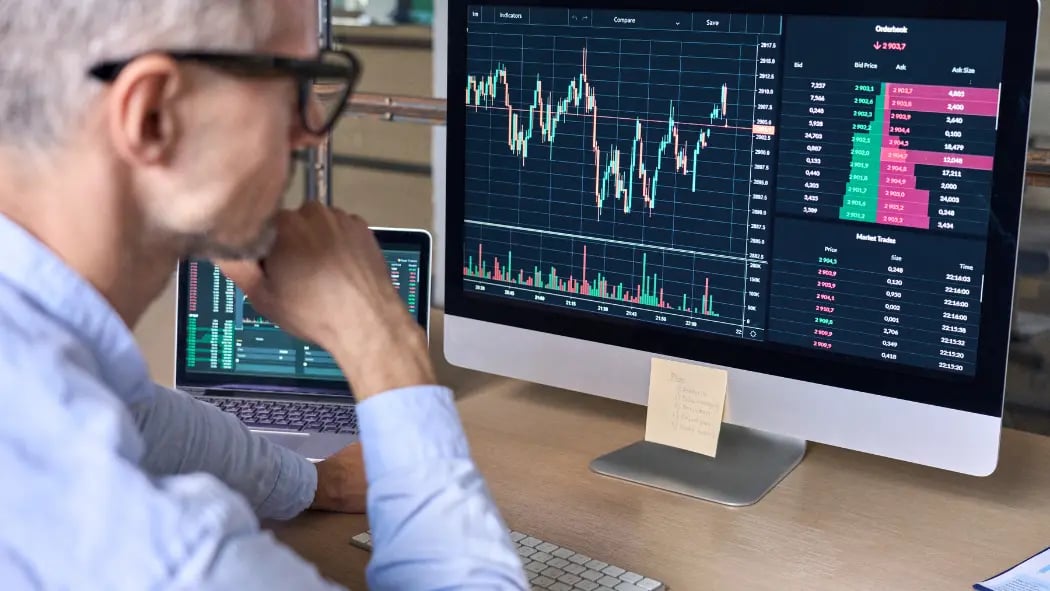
294, 488
409, 427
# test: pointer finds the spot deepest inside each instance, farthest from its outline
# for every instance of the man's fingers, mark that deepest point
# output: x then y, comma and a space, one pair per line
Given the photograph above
248, 275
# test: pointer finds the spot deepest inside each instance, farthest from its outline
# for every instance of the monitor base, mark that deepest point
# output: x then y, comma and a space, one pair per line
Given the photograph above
749, 464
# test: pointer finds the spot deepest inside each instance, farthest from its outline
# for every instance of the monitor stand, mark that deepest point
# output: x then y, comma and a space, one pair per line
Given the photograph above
748, 465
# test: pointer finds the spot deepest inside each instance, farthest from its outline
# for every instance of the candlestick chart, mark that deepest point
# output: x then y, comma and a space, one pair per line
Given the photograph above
642, 140
615, 176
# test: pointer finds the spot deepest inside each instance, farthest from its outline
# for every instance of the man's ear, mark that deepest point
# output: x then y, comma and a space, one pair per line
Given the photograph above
141, 105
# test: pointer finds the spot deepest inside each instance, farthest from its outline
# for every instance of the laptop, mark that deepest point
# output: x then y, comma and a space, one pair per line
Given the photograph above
290, 391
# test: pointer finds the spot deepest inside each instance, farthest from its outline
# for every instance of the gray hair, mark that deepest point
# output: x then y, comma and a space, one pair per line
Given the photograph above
47, 47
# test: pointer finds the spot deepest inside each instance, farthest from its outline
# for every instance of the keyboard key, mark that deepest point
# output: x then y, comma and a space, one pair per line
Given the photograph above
531, 542
569, 579
535, 567
586, 585
579, 559
552, 572
630, 577
560, 587
596, 565
609, 581
525, 551
542, 581
613, 571
649, 584
573, 568
546, 547
558, 563
563, 553
541, 556
591, 575
517, 536
626, 587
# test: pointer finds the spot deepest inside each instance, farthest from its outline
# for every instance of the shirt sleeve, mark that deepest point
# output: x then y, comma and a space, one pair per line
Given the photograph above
434, 523
184, 435
85, 514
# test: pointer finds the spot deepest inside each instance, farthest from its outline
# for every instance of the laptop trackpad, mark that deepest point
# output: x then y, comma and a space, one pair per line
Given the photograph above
293, 441
312, 446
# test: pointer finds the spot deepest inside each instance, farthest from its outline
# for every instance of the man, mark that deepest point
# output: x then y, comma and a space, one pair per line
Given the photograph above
118, 156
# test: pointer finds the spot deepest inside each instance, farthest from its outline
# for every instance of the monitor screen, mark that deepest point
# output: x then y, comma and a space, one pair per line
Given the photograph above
818, 186
226, 337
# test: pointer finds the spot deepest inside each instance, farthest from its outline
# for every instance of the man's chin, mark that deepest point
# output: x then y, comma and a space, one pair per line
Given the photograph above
204, 247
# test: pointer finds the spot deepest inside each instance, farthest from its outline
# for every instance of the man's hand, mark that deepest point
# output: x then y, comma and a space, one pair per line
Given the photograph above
341, 484
326, 281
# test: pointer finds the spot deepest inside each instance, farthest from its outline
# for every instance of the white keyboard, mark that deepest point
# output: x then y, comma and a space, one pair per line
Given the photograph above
553, 568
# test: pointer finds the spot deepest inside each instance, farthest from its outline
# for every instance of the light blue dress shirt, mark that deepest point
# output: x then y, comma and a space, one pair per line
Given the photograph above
112, 482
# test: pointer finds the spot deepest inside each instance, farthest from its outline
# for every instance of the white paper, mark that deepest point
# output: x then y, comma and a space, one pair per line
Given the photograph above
1031, 575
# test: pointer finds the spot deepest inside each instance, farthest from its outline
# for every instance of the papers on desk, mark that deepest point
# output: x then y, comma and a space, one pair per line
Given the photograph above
1031, 575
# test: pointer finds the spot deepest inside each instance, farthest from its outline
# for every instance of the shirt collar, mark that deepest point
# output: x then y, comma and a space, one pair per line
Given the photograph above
39, 275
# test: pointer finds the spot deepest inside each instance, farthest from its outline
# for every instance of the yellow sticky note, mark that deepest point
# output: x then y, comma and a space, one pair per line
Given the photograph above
686, 406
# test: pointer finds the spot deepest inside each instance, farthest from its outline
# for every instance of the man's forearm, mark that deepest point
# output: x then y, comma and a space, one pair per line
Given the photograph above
434, 523
185, 435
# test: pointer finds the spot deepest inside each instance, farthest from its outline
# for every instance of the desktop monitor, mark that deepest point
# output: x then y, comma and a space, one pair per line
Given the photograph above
821, 198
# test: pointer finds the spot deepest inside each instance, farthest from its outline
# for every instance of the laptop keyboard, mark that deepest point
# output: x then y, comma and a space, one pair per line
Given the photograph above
282, 414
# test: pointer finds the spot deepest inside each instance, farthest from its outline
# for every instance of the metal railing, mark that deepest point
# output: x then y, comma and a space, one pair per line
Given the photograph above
387, 107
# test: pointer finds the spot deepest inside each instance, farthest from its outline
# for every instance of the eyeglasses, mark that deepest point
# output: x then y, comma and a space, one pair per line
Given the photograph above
327, 80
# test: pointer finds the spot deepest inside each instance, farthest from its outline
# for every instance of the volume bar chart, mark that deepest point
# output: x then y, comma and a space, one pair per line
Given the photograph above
649, 292
634, 282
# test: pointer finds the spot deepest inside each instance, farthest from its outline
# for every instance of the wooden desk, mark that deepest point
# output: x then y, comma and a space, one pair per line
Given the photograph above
842, 520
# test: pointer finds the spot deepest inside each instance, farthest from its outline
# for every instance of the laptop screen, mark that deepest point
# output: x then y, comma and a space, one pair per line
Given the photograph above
226, 341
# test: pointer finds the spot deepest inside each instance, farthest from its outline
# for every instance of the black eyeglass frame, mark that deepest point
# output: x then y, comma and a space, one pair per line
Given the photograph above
257, 65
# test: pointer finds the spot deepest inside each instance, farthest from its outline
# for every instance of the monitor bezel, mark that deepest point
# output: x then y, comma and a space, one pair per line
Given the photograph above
388, 238
982, 394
